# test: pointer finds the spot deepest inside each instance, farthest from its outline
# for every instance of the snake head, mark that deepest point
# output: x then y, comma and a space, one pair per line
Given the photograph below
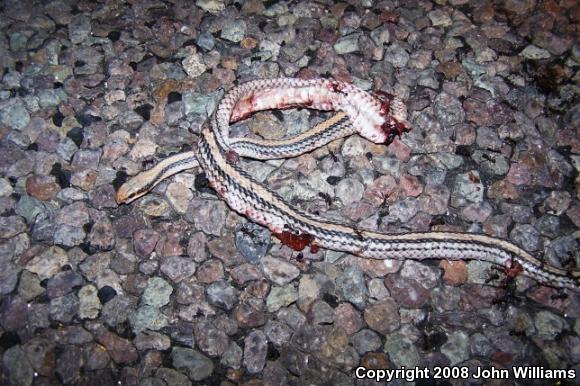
134, 188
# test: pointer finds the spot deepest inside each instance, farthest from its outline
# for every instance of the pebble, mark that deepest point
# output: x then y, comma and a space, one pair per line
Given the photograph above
232, 356
366, 341
89, 304
193, 65
221, 294
382, 316
210, 340
457, 347
407, 292
401, 350
234, 30
157, 292
14, 114
279, 271
147, 317
469, 187
225, 250
346, 316
281, 297
208, 216
352, 284
64, 308
48, 263
396, 55
195, 365
347, 44
63, 283
210, 271
255, 351
253, 241
349, 190
549, 325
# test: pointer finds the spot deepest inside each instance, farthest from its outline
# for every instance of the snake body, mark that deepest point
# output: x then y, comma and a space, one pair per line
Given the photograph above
376, 117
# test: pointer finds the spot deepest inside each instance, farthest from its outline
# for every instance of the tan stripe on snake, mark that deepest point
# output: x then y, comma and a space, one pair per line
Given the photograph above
377, 117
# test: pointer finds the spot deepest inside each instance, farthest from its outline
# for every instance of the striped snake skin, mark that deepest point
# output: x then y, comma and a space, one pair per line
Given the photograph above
377, 117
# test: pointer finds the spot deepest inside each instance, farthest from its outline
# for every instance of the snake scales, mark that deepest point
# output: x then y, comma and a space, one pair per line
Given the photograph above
377, 117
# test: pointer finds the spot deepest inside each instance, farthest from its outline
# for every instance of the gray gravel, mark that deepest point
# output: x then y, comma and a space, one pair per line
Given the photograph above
176, 289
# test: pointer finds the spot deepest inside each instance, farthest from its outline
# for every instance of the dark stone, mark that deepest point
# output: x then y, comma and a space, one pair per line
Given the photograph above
144, 111
76, 134
106, 293
62, 176
9, 339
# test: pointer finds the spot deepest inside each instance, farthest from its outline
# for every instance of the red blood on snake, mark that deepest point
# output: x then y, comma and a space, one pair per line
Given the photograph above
297, 242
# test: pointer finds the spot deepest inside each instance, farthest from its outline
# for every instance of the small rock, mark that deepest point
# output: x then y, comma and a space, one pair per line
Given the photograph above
145, 241
102, 236
206, 41
221, 294
121, 350
347, 44
42, 187
177, 268
68, 364
11, 226
407, 292
210, 271
365, 341
245, 273
279, 271
211, 6
352, 284
193, 65
147, 317
348, 318
79, 28
401, 350
439, 18
210, 339
234, 30
208, 216
533, 52
179, 196
48, 263
63, 283
281, 297
148, 340
89, 304
13, 114
468, 186
549, 325
232, 356
277, 332
196, 365
157, 292
248, 316
383, 316
396, 55
64, 308
255, 351
224, 249
68, 236
253, 241
455, 272
457, 347
349, 190
13, 313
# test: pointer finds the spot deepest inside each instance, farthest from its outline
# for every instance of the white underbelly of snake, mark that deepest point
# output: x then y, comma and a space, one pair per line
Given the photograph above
376, 116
